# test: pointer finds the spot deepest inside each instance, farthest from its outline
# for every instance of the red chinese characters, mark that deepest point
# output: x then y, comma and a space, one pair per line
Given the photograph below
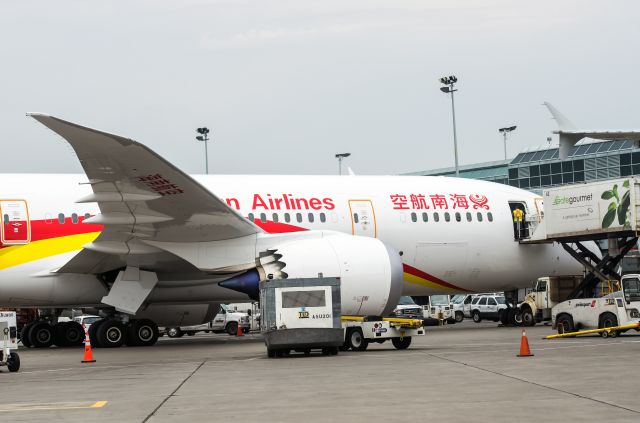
416, 201
399, 202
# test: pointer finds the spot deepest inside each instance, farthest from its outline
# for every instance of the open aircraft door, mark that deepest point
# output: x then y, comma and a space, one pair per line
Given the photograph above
16, 228
363, 218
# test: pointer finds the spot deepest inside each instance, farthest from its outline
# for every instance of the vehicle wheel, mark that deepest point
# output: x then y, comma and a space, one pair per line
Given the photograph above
356, 341
25, 335
41, 335
607, 320
333, 351
142, 333
476, 316
174, 333
459, 316
271, 353
111, 334
451, 321
13, 362
565, 324
514, 317
307, 353
232, 328
325, 351
343, 347
527, 317
191, 332
401, 343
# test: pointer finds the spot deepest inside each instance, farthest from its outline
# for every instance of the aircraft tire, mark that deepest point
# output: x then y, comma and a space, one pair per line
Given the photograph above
25, 335
41, 335
111, 334
93, 329
142, 333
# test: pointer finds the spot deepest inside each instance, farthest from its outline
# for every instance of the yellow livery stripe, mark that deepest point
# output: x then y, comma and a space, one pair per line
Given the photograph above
424, 282
21, 254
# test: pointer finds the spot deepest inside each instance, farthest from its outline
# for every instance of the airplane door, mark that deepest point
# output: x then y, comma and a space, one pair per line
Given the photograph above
363, 218
16, 228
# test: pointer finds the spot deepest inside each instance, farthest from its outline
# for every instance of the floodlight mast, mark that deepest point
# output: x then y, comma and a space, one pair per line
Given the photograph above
504, 131
204, 137
341, 156
448, 82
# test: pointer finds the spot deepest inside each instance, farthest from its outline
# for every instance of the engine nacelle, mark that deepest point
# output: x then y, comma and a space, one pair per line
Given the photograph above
370, 271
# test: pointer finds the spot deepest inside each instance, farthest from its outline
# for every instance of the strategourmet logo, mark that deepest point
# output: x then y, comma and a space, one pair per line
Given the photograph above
571, 200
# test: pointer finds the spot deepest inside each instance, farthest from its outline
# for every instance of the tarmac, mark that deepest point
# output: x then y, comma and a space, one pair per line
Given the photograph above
462, 372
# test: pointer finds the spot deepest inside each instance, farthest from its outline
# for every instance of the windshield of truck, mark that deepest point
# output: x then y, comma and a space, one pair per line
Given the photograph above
632, 289
500, 300
406, 300
457, 299
439, 300
89, 320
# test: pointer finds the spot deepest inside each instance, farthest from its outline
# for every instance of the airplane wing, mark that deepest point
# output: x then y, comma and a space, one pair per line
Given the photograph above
142, 197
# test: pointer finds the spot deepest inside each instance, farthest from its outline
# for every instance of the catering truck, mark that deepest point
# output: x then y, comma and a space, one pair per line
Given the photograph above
620, 308
547, 293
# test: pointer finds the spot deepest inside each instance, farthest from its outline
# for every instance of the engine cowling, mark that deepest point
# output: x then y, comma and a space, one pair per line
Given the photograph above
370, 271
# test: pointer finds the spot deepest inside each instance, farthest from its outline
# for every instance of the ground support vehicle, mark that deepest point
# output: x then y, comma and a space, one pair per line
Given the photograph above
547, 293
226, 320
360, 331
433, 310
617, 309
488, 306
461, 304
9, 341
611, 332
301, 315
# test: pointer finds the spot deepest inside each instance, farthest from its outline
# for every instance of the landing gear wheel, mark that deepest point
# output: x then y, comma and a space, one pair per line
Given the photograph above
25, 335
356, 341
13, 362
41, 335
476, 316
59, 331
459, 316
232, 328
93, 333
74, 334
401, 343
111, 334
142, 333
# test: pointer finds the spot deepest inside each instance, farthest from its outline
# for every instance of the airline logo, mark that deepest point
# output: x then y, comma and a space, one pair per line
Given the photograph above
439, 201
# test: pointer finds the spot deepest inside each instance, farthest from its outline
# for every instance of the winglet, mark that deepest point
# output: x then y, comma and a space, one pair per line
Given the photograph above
561, 120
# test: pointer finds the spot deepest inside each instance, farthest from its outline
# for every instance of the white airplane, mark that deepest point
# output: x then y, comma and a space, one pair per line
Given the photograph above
153, 246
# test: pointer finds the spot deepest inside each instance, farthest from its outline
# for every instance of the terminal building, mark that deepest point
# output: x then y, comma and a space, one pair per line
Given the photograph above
542, 168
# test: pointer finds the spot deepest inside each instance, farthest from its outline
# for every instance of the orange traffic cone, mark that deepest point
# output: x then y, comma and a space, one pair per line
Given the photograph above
240, 332
524, 346
88, 355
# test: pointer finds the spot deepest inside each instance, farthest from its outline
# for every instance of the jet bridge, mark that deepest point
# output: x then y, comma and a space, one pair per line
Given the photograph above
575, 214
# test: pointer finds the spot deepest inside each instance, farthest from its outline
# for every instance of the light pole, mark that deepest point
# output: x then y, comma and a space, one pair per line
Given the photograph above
340, 157
504, 132
448, 82
204, 137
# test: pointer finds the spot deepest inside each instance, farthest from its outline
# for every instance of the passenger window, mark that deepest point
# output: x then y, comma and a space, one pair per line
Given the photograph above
6, 219
263, 217
299, 217
414, 217
275, 217
469, 217
61, 218
458, 217
479, 217
310, 215
447, 216
492, 301
436, 217
87, 216
250, 217
323, 217
355, 217
467, 300
475, 300
425, 217
490, 217
287, 217
74, 218
483, 301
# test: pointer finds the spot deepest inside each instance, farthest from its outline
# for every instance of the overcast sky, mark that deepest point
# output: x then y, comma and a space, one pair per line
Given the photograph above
284, 85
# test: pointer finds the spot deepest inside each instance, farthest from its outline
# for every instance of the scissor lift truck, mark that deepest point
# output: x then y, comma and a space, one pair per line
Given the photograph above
609, 315
9, 341
301, 315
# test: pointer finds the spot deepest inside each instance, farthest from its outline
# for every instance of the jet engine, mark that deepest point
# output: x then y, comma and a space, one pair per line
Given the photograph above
370, 271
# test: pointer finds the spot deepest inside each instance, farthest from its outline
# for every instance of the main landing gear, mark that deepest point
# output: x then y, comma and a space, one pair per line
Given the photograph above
105, 333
